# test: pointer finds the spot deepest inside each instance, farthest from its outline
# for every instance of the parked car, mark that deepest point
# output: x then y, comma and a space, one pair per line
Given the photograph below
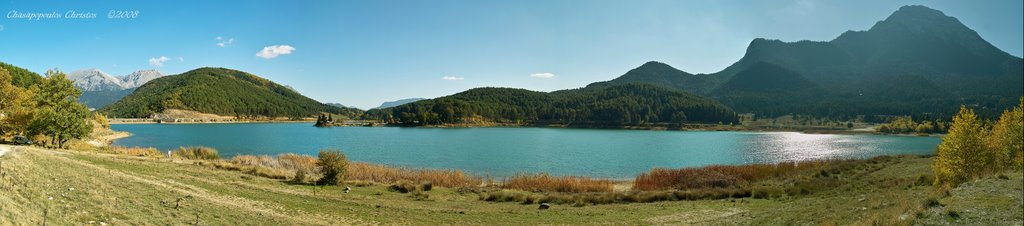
22, 140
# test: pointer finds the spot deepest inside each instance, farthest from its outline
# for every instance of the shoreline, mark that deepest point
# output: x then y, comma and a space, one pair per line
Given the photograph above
152, 121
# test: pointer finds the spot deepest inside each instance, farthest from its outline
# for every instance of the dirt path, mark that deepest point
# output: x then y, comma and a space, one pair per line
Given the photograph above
5, 148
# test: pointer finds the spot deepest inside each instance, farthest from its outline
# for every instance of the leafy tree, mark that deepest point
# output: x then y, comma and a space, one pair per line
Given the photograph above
15, 110
59, 116
333, 165
1007, 137
962, 154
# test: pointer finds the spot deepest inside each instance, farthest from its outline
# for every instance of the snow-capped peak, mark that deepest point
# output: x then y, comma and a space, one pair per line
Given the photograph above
95, 80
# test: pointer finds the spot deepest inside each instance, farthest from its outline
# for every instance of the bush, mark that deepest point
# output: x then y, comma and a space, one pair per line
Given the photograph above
196, 153
300, 177
332, 165
403, 187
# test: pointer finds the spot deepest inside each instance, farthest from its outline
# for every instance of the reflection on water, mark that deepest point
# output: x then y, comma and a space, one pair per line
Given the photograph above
505, 151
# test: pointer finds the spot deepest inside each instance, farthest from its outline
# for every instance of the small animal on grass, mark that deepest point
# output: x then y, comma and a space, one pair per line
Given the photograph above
544, 206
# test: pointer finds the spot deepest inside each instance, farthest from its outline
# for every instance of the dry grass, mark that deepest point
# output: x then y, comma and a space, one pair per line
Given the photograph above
135, 151
390, 175
291, 164
196, 153
546, 183
288, 161
718, 176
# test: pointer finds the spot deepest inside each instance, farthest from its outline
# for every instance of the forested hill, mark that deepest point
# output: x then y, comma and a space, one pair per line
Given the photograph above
223, 92
21, 77
611, 105
917, 61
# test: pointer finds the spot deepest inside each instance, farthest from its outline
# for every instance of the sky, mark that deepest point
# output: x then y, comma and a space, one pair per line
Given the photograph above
362, 53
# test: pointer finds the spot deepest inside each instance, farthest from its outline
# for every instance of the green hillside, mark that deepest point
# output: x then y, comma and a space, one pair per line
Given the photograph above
612, 105
99, 99
21, 77
220, 91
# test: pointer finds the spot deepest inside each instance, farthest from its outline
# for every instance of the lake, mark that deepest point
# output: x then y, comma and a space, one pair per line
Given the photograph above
502, 152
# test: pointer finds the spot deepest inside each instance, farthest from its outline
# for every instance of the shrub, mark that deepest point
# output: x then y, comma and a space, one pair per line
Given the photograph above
403, 187
427, 186
101, 120
299, 178
196, 153
332, 165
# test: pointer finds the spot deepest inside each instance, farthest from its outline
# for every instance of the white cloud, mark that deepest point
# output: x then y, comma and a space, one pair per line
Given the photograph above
224, 42
452, 78
544, 75
182, 59
159, 62
270, 52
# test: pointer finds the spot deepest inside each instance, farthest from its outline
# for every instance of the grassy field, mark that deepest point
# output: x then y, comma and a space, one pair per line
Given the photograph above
73, 187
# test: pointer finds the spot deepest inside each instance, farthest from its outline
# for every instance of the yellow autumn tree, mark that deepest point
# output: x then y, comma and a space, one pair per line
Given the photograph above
15, 109
1007, 137
962, 155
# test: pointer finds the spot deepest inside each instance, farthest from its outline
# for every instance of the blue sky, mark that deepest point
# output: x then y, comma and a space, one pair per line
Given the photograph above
365, 52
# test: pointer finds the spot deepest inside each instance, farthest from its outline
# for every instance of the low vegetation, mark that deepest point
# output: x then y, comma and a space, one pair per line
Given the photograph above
546, 183
134, 151
359, 171
907, 125
718, 176
196, 153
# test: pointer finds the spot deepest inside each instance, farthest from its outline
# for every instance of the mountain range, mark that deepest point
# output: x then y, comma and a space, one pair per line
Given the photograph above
918, 61
96, 80
100, 89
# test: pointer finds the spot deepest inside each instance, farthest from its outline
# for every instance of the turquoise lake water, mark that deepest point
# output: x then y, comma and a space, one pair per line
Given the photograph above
502, 152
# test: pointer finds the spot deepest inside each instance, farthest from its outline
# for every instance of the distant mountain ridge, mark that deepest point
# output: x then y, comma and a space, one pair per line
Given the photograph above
100, 89
930, 62
96, 80
388, 104
223, 92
